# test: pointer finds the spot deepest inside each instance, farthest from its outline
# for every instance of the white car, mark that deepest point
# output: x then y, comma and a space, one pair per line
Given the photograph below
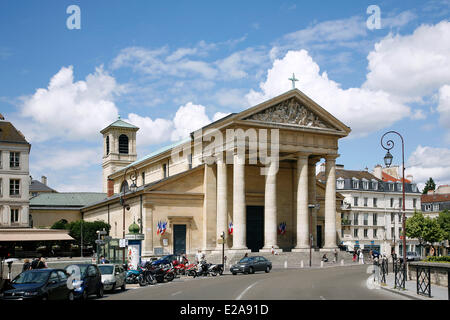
113, 276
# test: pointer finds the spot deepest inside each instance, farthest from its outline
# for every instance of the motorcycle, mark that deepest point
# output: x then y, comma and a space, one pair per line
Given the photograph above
191, 269
169, 272
202, 269
133, 276
215, 269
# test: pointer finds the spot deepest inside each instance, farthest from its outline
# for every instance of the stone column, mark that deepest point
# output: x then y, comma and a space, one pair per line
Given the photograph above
270, 208
222, 204
239, 208
302, 204
330, 202
312, 197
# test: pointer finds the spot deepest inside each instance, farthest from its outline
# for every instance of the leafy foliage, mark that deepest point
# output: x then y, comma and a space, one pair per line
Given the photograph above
61, 224
425, 229
438, 259
89, 230
444, 223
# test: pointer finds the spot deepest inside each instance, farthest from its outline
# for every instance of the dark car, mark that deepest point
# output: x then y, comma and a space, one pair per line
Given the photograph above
43, 284
251, 265
166, 259
90, 281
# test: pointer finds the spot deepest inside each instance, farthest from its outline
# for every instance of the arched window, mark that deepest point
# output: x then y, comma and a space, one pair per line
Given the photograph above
107, 145
123, 144
124, 187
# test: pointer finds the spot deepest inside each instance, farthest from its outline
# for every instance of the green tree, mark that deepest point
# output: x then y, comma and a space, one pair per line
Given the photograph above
415, 227
89, 230
431, 231
429, 185
444, 223
61, 224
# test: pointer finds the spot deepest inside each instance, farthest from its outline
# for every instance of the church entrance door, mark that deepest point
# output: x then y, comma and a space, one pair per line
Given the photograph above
255, 228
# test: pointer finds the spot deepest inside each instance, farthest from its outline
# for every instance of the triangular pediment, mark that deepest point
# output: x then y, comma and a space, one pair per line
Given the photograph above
294, 109
291, 112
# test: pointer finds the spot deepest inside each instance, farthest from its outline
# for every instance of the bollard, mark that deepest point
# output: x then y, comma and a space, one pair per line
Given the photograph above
342, 262
321, 264
285, 264
301, 264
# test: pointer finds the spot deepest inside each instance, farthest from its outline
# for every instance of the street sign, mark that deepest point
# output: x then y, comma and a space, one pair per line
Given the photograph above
123, 243
100, 242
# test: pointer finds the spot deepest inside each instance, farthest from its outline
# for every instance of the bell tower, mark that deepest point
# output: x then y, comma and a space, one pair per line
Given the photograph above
119, 148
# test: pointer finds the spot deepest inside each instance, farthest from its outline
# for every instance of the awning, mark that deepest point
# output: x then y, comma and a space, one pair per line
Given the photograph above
28, 234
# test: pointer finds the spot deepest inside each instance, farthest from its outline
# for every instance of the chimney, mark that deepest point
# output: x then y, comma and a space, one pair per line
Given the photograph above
110, 191
44, 180
410, 178
377, 171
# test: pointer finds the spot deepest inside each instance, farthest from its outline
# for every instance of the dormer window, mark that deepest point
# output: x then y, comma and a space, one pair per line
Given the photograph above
399, 186
355, 183
374, 184
390, 186
340, 183
414, 188
365, 184
123, 144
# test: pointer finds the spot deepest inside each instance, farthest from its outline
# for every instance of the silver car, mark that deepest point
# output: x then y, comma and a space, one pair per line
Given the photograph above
113, 276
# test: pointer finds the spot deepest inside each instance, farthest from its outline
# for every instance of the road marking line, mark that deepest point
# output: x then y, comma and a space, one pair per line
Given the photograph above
248, 288
178, 292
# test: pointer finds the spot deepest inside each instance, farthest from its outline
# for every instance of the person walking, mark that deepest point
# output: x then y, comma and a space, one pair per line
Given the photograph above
26, 265
361, 257
199, 256
335, 255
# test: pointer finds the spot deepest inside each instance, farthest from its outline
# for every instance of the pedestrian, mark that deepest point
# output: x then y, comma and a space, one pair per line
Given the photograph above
199, 256
358, 254
354, 256
335, 255
272, 250
324, 258
361, 257
26, 265
102, 260
34, 263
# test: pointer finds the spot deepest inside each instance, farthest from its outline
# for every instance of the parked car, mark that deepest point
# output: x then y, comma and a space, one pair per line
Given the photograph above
113, 276
251, 265
43, 284
90, 281
410, 256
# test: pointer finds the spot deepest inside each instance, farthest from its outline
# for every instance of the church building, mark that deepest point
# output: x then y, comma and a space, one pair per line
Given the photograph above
249, 177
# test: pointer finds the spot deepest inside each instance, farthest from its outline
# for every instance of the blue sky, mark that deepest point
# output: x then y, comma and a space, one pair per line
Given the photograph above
171, 68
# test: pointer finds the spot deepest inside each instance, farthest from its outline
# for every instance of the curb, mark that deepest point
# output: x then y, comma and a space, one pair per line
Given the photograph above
396, 291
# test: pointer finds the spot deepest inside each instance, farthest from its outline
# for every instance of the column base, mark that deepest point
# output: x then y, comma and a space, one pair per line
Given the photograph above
328, 249
269, 250
301, 250
239, 250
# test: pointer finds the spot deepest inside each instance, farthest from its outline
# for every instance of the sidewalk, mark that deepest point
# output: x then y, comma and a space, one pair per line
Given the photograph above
437, 292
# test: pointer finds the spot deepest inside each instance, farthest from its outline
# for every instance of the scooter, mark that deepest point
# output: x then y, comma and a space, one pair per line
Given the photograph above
215, 269
202, 269
133, 276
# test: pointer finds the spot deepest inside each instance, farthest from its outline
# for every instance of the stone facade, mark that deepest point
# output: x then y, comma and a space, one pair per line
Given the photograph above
14, 177
185, 185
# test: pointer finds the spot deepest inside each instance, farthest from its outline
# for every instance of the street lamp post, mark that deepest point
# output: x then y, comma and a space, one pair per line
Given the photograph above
388, 161
222, 235
133, 188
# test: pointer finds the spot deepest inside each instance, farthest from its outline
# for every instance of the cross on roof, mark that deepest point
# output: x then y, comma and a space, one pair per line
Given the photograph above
293, 79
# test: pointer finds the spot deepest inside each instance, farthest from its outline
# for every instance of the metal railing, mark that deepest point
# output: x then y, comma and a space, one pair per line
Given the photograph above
400, 275
424, 281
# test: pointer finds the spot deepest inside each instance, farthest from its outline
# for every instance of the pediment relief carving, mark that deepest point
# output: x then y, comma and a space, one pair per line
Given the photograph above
291, 112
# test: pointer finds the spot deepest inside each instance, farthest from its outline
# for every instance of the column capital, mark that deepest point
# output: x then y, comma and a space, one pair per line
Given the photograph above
302, 155
331, 157
313, 160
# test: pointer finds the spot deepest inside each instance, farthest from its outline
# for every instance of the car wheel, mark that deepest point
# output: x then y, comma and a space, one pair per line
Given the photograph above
267, 269
100, 292
234, 273
70, 296
251, 270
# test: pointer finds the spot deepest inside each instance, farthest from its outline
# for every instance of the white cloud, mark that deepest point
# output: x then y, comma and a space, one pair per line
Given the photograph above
188, 118
71, 110
444, 106
412, 66
426, 162
364, 110
150, 131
